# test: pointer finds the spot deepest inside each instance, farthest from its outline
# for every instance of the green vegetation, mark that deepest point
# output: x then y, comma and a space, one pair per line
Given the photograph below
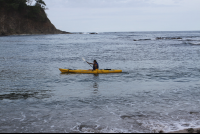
35, 12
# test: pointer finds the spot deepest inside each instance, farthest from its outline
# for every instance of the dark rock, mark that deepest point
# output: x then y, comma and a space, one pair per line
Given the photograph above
198, 131
63, 32
66, 33
126, 116
159, 38
93, 33
167, 38
144, 39
193, 112
3, 34
190, 130
161, 131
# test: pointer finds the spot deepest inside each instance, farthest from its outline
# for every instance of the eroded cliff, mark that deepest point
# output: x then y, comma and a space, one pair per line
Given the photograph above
15, 22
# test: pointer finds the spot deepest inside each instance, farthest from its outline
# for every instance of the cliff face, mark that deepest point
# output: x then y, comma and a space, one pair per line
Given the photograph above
13, 22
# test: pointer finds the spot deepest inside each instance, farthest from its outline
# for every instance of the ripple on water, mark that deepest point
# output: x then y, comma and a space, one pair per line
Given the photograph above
158, 89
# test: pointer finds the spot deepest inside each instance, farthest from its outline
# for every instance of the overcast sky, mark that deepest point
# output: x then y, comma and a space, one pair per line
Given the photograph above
124, 15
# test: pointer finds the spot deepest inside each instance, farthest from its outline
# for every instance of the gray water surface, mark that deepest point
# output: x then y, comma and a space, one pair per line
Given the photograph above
159, 88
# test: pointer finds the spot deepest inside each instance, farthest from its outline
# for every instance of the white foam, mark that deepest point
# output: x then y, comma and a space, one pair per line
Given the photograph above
154, 126
157, 126
114, 130
96, 129
85, 33
23, 115
195, 43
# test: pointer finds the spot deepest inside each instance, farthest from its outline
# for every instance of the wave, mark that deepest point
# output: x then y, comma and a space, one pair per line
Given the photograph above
191, 43
192, 40
186, 41
194, 43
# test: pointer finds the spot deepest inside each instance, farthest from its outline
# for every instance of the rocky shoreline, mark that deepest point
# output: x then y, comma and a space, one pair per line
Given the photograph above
189, 130
61, 32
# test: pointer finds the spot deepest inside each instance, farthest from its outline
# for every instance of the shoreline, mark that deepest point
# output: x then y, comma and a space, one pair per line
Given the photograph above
33, 34
42, 34
189, 130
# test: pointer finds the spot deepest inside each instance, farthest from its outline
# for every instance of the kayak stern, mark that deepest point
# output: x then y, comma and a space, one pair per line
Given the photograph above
64, 70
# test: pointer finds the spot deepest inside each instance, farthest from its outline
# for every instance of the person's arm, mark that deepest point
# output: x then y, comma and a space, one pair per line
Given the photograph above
90, 63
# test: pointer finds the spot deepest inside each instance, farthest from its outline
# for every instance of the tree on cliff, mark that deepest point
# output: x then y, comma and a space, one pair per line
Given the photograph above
40, 3
19, 4
29, 2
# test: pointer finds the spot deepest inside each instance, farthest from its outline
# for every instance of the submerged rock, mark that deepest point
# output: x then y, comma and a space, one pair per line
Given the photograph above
142, 40
168, 38
190, 130
198, 131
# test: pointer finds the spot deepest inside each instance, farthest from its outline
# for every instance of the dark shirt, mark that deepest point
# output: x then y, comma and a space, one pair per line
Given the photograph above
97, 66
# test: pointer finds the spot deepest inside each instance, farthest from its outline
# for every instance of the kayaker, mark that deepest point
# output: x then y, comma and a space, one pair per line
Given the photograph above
95, 65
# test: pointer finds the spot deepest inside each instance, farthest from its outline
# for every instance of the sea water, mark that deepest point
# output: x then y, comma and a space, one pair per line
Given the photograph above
159, 88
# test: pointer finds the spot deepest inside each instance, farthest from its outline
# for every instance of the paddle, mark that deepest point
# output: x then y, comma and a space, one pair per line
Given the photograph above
86, 61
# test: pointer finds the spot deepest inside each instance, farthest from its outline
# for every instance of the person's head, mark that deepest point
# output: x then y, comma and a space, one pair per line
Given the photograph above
95, 61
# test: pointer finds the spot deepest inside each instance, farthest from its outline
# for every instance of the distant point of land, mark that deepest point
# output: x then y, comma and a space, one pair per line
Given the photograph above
19, 17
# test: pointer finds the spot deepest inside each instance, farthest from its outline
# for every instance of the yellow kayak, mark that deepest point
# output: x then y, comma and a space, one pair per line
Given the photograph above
106, 71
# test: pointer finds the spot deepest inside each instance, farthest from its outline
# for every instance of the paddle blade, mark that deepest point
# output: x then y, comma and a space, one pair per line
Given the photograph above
83, 59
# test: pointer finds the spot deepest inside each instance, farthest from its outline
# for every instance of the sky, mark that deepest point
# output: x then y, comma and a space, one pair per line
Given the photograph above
124, 15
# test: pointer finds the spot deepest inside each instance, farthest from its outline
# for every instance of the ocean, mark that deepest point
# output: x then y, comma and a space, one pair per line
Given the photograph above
159, 88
